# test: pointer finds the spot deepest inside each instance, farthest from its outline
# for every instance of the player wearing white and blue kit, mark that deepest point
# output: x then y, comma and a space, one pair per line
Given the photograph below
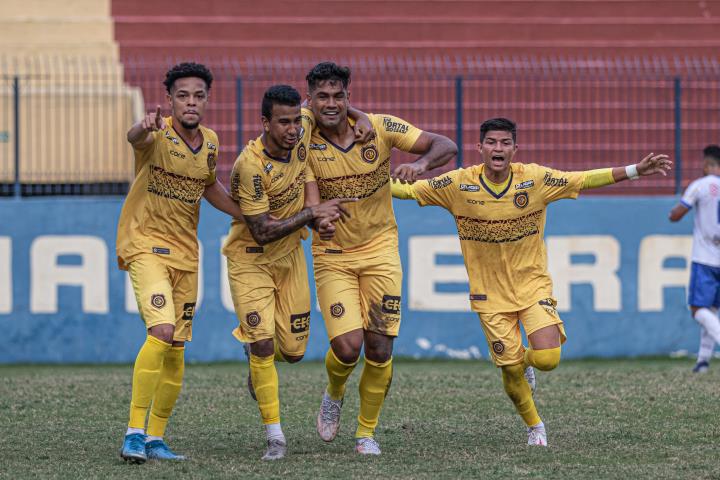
704, 290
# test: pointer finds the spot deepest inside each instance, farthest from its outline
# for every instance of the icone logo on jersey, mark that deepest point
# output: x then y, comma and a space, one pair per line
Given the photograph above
177, 154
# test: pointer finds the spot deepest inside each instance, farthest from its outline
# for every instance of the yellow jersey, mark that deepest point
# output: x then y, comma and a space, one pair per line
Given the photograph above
261, 183
161, 212
501, 234
360, 171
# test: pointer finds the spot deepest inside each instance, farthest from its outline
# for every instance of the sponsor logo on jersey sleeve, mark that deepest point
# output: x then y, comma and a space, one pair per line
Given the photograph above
392, 126
551, 181
464, 187
438, 183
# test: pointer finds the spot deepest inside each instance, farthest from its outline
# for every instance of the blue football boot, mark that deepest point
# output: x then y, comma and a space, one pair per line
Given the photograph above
133, 449
701, 367
158, 450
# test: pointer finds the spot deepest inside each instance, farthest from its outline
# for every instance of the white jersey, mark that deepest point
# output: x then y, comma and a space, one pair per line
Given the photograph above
704, 195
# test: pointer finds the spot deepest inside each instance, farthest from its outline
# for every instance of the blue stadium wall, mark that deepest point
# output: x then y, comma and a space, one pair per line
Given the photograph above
619, 266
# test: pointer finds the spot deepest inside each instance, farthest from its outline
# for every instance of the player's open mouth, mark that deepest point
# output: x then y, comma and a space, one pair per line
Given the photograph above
330, 114
498, 158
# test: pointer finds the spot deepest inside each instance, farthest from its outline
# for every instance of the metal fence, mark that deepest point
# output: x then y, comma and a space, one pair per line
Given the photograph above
63, 133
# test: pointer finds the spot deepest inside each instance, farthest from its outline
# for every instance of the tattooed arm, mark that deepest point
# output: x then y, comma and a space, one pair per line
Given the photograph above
266, 229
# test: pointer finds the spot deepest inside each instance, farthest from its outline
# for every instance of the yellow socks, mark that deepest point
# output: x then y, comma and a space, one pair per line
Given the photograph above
519, 392
279, 357
146, 375
167, 392
338, 373
374, 384
545, 359
265, 381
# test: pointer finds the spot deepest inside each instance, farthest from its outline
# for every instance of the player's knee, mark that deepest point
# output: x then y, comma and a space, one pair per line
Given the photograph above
263, 348
293, 358
378, 348
347, 347
163, 332
546, 359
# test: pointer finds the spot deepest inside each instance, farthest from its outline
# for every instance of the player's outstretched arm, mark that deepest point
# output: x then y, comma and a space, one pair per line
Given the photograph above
363, 128
650, 165
267, 229
678, 212
140, 134
435, 151
219, 198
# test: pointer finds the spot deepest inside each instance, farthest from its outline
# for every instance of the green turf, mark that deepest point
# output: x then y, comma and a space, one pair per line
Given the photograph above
605, 419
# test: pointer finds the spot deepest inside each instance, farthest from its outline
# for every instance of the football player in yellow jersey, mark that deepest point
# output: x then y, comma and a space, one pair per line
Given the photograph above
266, 264
357, 272
499, 209
157, 243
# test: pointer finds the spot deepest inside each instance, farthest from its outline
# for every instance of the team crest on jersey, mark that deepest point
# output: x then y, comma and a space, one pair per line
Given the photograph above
498, 347
211, 146
211, 161
520, 200
253, 319
337, 310
318, 146
301, 152
157, 300
171, 138
268, 168
525, 184
464, 187
369, 153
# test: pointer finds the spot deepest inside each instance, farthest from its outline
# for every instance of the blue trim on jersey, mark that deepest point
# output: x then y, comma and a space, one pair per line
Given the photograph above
704, 288
689, 207
490, 190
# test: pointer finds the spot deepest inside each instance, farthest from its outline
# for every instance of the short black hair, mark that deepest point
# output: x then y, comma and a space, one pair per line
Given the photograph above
328, 71
712, 151
501, 124
279, 95
188, 69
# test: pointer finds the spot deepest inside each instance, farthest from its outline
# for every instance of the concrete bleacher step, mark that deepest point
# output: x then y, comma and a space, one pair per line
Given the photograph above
430, 8
49, 31
25, 9
410, 30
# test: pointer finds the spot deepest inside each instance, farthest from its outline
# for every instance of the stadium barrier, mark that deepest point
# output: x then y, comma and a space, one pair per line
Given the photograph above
619, 268
62, 124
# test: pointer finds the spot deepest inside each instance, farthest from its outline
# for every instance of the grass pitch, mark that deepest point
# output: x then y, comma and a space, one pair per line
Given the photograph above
605, 419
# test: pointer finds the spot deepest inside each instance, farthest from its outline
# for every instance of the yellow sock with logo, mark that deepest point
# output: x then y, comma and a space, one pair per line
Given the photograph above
168, 390
146, 375
545, 359
338, 373
519, 392
374, 385
265, 381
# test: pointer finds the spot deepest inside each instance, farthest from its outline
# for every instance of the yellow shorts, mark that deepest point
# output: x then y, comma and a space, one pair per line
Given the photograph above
502, 330
272, 301
357, 292
164, 294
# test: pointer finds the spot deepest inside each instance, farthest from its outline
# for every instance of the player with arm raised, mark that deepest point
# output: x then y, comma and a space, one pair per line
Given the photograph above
499, 209
358, 273
266, 264
704, 290
157, 243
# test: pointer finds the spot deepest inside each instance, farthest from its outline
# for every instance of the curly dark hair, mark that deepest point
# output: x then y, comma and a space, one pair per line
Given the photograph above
188, 69
712, 151
279, 95
328, 71
501, 124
